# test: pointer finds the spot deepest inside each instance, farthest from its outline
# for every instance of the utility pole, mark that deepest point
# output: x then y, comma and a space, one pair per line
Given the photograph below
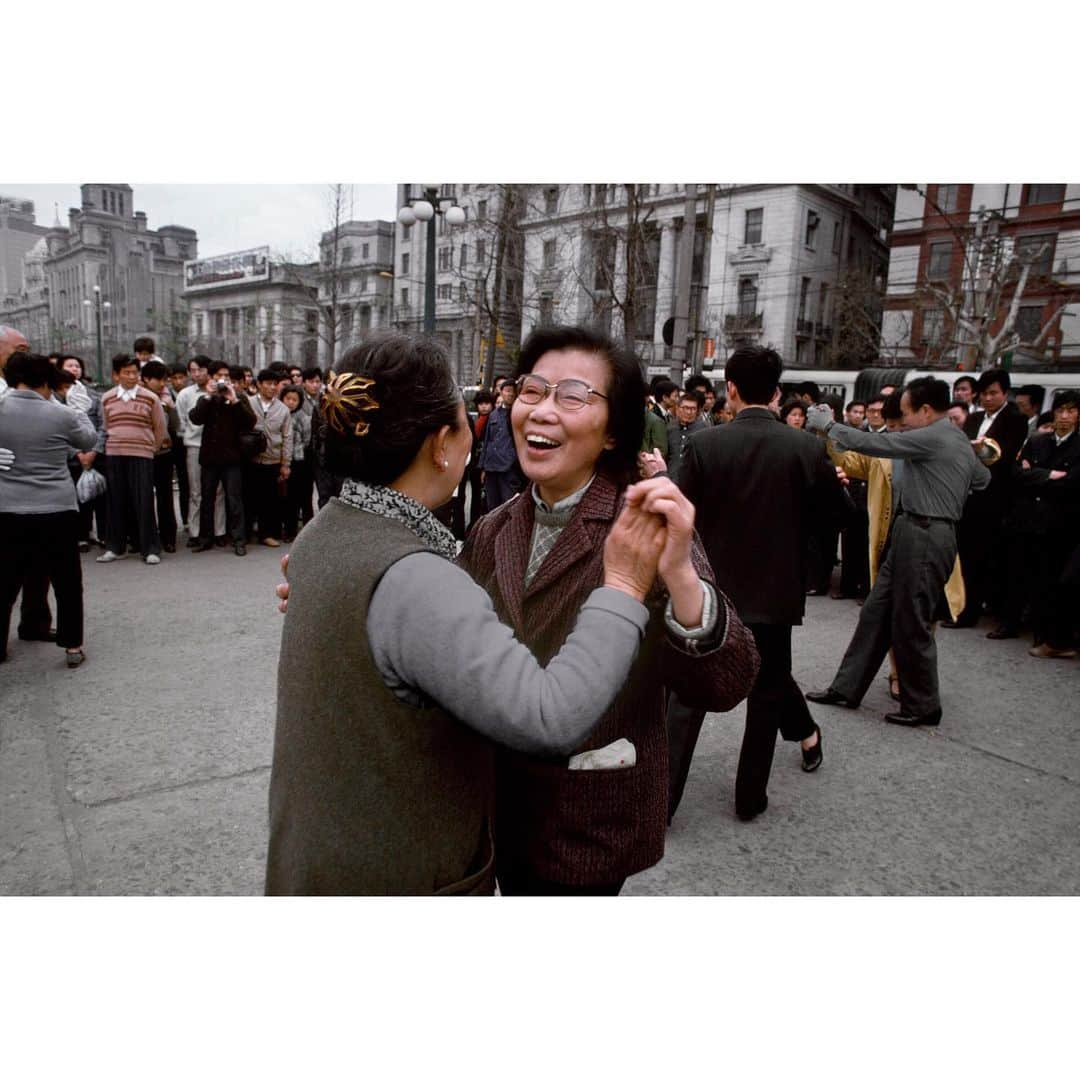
682, 285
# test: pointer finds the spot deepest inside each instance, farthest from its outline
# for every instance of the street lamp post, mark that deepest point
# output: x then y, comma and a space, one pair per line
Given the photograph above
425, 209
99, 306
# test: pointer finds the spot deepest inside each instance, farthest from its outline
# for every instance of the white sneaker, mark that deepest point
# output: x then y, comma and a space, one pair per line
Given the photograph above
152, 560
109, 556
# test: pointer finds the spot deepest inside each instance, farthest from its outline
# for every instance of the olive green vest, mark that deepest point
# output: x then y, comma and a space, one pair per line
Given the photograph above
368, 795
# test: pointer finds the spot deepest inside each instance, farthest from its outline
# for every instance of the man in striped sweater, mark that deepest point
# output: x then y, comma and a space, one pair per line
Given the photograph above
134, 429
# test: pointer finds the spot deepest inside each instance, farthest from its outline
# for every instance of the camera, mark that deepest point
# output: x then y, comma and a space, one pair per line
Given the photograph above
221, 386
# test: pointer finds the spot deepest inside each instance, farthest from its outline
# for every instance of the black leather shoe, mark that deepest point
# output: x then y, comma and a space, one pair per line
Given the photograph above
959, 624
239, 548
1003, 632
48, 635
812, 758
931, 719
205, 545
749, 813
830, 697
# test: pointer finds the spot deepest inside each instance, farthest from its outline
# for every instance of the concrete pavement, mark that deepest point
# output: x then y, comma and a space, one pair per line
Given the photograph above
145, 771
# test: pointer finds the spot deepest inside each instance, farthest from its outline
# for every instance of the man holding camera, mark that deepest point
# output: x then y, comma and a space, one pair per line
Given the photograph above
224, 415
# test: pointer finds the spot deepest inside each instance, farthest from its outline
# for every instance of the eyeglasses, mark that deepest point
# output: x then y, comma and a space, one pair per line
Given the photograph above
570, 394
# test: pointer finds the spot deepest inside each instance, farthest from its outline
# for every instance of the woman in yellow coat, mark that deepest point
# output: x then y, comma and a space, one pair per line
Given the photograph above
878, 473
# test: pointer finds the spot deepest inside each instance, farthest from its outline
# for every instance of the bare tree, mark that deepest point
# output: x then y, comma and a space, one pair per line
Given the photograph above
980, 313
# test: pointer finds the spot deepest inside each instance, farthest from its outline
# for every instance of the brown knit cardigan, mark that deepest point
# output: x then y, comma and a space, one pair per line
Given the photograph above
592, 827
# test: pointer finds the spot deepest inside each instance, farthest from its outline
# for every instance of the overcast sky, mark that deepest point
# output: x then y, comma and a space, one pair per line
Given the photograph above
229, 217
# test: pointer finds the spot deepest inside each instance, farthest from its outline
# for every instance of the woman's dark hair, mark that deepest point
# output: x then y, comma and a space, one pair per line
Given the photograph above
414, 393
790, 406
28, 369
484, 397
144, 344
625, 393
60, 378
64, 357
292, 388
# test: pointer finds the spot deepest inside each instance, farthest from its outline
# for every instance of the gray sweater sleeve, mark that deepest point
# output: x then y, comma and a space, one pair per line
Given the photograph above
434, 633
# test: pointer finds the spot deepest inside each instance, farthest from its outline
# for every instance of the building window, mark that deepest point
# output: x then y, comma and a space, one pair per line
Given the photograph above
405, 298
346, 321
601, 194
752, 225
481, 249
446, 292
586, 194
234, 321
361, 281
121, 205
463, 261
465, 189
937, 266
823, 304
837, 229
547, 309
446, 191
406, 230
748, 296
813, 220
219, 324
346, 255
1029, 322
549, 254
463, 294
365, 247
446, 258
1043, 194
1038, 250
311, 321
933, 326
948, 198
551, 200
481, 210
804, 293
404, 264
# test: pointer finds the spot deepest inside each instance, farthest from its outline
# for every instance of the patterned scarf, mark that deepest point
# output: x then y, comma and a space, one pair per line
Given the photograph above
388, 503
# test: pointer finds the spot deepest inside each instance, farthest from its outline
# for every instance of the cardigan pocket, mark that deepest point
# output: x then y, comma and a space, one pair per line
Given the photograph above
482, 881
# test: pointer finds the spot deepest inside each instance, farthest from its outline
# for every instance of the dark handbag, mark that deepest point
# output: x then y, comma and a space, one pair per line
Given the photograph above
252, 444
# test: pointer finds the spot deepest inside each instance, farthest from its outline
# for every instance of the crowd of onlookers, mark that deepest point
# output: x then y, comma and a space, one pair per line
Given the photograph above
238, 454
1019, 540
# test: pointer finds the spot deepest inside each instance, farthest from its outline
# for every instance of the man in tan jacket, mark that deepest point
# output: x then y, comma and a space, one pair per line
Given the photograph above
273, 419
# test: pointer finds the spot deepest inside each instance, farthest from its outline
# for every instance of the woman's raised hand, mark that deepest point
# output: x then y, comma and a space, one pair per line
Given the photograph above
660, 496
632, 551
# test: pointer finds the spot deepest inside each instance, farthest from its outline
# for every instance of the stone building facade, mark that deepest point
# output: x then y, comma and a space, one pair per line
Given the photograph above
258, 319
19, 232
355, 285
779, 257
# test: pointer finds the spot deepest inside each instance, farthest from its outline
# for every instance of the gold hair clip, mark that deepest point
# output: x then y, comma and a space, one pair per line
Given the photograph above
346, 394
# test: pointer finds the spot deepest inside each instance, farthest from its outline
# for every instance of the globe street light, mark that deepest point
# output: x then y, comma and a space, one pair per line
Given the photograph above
425, 209
98, 305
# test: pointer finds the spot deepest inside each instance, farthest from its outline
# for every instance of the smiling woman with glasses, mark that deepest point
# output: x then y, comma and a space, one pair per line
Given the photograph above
580, 825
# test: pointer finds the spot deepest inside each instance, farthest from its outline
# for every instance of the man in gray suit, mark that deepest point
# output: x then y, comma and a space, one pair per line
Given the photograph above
939, 470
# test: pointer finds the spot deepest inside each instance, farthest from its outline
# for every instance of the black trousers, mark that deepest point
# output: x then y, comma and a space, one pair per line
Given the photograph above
231, 479
900, 612
775, 704
500, 487
855, 547
297, 507
34, 614
163, 498
131, 504
266, 502
983, 547
45, 546
178, 453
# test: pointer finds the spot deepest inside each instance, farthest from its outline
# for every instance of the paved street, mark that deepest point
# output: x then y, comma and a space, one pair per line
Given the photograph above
145, 772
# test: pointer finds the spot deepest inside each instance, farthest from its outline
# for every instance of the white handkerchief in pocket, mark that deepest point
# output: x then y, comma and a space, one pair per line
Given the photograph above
617, 755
